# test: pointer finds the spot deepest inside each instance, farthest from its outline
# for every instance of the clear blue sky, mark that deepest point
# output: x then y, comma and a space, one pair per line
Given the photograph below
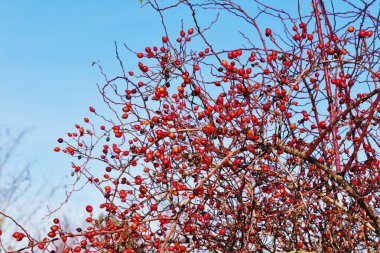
46, 79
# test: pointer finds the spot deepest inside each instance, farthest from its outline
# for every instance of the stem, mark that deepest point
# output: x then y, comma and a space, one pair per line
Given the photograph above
332, 111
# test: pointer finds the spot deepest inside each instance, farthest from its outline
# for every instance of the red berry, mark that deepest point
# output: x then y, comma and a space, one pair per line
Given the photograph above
369, 33
322, 124
362, 34
89, 208
266, 107
138, 180
153, 207
268, 32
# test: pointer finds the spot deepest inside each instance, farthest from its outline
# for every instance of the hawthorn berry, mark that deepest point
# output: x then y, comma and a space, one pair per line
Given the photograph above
89, 208
322, 124
268, 32
362, 34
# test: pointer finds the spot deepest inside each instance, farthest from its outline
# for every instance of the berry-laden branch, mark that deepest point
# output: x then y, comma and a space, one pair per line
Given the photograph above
271, 147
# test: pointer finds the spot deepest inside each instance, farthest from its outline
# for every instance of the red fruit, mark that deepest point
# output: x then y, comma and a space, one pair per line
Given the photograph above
89, 208
143, 189
165, 39
206, 216
18, 236
92, 109
153, 207
237, 162
268, 32
283, 192
222, 231
51, 234
266, 107
138, 180
54, 228
140, 55
190, 31
322, 124
362, 34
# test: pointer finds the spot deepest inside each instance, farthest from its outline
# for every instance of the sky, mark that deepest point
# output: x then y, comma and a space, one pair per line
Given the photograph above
47, 82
